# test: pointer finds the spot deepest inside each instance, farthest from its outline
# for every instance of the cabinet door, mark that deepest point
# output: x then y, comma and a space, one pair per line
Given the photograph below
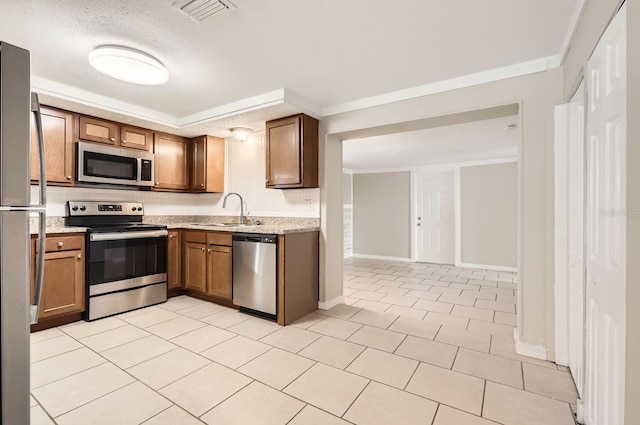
199, 164
63, 287
58, 128
283, 152
136, 138
219, 271
97, 130
195, 267
174, 260
170, 157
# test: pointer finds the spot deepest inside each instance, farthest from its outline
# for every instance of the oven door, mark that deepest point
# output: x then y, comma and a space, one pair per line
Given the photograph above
123, 260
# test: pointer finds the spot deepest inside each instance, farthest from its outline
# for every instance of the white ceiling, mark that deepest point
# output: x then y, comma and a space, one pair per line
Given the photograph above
310, 55
472, 141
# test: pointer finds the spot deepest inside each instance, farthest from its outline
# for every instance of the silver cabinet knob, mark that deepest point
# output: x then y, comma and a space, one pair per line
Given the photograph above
209, 251
123, 142
157, 183
202, 249
79, 256
113, 139
172, 236
68, 177
201, 184
60, 244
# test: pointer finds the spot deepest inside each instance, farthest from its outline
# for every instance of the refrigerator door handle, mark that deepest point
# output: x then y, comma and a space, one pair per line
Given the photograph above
42, 231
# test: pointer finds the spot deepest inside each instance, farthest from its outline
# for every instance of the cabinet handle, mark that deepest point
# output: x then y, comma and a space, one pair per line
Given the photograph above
202, 249
113, 139
123, 142
79, 256
209, 251
68, 177
201, 184
172, 236
60, 244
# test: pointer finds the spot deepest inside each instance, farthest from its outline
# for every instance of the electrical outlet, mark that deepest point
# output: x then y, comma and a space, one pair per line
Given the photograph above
309, 204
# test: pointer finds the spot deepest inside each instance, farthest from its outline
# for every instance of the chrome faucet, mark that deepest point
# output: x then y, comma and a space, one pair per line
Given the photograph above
243, 219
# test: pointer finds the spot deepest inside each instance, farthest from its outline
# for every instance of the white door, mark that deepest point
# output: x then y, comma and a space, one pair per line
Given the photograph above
606, 228
434, 217
575, 236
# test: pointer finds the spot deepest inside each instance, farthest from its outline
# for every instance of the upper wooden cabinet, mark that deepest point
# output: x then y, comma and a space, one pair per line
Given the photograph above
207, 170
59, 131
111, 133
171, 155
292, 152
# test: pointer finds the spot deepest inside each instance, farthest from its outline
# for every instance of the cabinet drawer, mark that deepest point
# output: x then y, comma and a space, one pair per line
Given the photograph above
195, 237
220, 238
61, 243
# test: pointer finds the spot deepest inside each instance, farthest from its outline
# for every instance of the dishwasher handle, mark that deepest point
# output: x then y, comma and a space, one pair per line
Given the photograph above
252, 237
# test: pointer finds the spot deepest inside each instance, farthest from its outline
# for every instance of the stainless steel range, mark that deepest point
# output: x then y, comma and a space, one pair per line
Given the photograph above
126, 266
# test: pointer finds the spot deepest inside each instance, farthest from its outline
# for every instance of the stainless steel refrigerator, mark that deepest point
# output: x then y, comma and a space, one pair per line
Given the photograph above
16, 311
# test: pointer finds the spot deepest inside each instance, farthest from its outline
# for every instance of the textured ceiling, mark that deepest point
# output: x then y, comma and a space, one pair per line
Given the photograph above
327, 52
473, 141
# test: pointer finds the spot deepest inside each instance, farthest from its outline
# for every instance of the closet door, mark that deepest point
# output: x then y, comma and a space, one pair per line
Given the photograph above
606, 227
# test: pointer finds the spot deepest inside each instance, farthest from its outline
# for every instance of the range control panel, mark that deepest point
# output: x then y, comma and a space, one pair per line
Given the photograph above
81, 208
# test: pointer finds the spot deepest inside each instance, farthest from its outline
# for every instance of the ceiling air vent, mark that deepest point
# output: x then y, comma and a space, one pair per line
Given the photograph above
205, 9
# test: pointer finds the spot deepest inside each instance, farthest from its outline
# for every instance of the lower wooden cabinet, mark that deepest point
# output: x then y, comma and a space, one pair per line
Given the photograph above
208, 263
174, 260
63, 290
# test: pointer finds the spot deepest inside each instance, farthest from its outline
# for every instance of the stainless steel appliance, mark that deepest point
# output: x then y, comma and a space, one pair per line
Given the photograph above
126, 259
16, 102
254, 273
114, 166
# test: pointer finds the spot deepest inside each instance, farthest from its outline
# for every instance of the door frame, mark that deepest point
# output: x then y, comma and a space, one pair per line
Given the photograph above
413, 237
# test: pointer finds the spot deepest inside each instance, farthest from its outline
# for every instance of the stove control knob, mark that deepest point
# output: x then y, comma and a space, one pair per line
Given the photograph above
139, 208
74, 208
133, 208
83, 208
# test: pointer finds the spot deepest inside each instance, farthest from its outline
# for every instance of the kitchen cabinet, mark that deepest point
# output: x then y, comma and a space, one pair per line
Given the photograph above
207, 170
219, 265
59, 131
208, 263
174, 260
104, 131
171, 169
195, 261
63, 291
292, 152
298, 276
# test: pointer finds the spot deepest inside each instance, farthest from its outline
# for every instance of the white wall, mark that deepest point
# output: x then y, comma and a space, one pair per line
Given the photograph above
382, 215
489, 215
244, 173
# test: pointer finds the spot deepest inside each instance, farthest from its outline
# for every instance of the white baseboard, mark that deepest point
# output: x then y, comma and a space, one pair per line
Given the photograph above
489, 267
348, 255
381, 257
524, 349
326, 305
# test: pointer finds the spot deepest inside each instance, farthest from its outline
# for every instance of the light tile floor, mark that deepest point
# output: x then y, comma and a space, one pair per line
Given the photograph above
415, 344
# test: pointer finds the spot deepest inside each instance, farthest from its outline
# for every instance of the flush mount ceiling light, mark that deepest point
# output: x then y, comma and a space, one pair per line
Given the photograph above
240, 133
129, 65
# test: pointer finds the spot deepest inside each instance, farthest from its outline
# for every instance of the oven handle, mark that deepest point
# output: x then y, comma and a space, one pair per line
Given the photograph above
95, 237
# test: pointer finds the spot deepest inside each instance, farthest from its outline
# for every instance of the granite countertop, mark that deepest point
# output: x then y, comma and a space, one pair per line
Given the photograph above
278, 229
272, 225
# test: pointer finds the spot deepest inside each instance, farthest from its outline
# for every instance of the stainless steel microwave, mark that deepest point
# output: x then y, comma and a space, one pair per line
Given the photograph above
112, 165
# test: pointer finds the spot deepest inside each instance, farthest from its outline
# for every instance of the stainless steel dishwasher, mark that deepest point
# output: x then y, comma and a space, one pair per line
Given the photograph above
254, 273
